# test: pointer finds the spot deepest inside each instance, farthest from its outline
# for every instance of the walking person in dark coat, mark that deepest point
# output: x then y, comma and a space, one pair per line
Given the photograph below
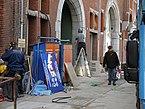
15, 59
111, 61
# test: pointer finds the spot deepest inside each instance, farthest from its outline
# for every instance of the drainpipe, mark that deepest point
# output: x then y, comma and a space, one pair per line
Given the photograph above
122, 52
99, 30
26, 45
38, 21
22, 19
13, 19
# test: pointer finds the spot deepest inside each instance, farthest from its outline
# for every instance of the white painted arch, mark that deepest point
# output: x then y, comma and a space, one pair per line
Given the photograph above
78, 16
78, 20
113, 34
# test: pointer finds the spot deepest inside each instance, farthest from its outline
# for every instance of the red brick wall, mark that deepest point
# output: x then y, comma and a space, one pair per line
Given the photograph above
33, 4
38, 26
53, 13
44, 28
1, 24
45, 6
87, 5
123, 6
95, 47
32, 30
10, 18
9, 22
5, 28
101, 46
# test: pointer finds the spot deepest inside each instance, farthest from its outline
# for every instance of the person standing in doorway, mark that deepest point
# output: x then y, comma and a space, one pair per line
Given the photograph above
80, 40
111, 61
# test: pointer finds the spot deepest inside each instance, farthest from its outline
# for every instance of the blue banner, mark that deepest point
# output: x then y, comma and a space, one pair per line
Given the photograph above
51, 72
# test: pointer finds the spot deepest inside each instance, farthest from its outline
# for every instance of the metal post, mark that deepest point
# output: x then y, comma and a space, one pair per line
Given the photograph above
27, 29
12, 79
142, 66
39, 34
22, 19
38, 21
99, 29
141, 55
15, 94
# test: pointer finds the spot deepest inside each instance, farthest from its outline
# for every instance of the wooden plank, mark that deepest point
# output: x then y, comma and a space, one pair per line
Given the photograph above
71, 72
30, 75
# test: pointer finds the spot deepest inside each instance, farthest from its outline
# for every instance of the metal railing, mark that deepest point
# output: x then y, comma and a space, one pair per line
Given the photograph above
10, 79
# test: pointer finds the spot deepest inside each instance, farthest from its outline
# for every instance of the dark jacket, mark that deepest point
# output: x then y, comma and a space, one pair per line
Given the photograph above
111, 59
15, 59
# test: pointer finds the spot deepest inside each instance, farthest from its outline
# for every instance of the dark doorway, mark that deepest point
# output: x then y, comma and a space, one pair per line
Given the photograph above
66, 26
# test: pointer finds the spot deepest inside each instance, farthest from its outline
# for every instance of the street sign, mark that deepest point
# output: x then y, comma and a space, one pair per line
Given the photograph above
21, 43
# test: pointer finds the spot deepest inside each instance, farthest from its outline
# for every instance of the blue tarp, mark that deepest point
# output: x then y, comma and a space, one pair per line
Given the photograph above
40, 89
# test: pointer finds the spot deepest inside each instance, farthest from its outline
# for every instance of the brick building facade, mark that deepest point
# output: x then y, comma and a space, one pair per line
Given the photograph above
105, 24
10, 22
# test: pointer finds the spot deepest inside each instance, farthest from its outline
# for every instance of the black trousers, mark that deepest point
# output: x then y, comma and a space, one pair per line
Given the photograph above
81, 45
9, 86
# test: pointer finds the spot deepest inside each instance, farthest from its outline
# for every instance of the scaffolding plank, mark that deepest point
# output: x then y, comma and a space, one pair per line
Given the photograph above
71, 72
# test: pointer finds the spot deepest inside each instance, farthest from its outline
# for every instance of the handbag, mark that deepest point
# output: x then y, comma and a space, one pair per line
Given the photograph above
118, 73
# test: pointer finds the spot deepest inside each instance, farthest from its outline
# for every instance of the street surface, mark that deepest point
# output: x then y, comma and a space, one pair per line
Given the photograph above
92, 93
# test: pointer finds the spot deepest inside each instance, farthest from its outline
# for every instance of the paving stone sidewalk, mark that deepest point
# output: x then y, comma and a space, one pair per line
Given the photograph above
92, 93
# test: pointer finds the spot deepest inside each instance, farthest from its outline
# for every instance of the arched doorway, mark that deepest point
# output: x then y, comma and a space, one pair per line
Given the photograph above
70, 17
66, 24
112, 27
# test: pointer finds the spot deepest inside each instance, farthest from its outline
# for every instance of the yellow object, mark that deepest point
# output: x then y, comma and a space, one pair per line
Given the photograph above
2, 68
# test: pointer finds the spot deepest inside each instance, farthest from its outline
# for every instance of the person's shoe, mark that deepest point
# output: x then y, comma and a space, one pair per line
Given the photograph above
89, 76
116, 79
20, 95
109, 83
114, 84
9, 99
